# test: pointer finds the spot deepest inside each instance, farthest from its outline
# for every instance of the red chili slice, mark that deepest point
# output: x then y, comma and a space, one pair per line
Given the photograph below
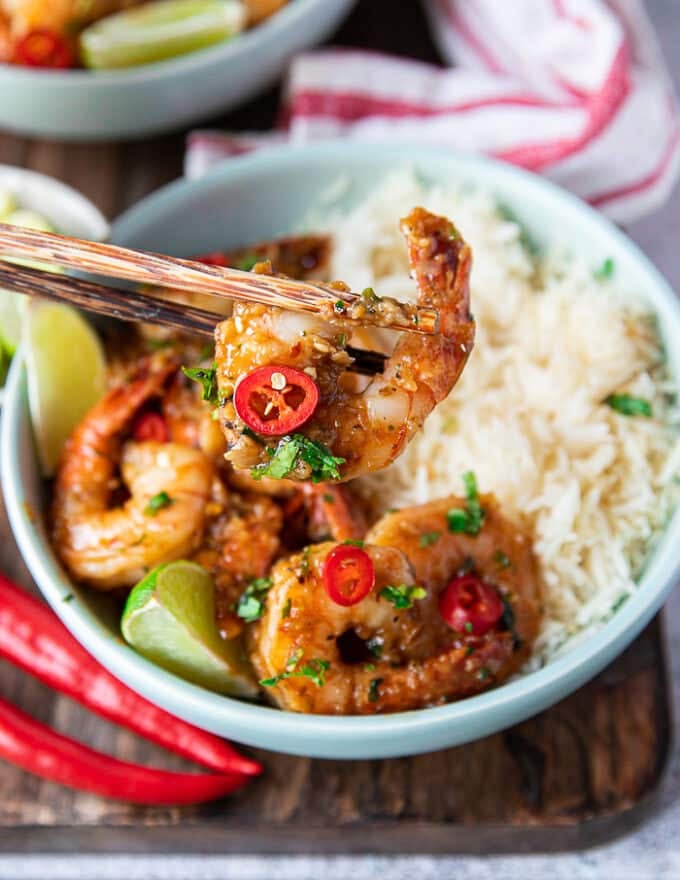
348, 574
216, 258
43, 48
150, 426
468, 605
276, 400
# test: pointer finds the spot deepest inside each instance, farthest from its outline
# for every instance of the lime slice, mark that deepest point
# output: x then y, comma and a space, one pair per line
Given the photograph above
12, 307
169, 618
159, 30
66, 374
8, 204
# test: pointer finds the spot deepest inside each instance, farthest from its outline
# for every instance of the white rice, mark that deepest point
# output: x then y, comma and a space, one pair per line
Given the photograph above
592, 486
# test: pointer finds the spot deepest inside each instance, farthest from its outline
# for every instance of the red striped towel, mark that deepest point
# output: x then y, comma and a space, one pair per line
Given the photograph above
574, 89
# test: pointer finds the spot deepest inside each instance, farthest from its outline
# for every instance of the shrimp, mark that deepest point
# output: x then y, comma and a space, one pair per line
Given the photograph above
114, 546
357, 427
60, 16
242, 539
380, 658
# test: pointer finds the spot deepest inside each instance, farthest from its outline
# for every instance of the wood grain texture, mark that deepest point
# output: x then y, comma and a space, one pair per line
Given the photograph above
575, 775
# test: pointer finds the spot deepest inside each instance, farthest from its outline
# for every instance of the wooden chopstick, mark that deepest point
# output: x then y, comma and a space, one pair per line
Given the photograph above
135, 306
164, 271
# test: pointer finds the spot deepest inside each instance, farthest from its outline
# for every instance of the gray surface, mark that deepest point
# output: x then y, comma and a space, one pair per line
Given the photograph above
653, 851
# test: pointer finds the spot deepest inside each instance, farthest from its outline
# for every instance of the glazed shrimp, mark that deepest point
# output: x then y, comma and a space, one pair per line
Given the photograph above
114, 546
381, 658
355, 428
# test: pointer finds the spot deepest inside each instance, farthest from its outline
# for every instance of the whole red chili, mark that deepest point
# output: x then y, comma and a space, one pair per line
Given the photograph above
38, 749
35, 640
468, 605
150, 426
348, 574
43, 48
275, 399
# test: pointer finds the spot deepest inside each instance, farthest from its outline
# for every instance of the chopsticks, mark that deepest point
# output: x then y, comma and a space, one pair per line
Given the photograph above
134, 306
163, 271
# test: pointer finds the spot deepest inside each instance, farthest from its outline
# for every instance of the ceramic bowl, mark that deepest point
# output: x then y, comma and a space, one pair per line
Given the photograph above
265, 195
141, 101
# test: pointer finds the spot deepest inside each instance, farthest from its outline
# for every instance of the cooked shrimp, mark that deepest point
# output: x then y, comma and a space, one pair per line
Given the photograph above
356, 427
60, 16
114, 546
242, 539
189, 419
380, 658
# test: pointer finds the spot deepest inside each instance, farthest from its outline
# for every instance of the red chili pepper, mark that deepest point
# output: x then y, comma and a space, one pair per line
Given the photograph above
214, 259
348, 574
34, 639
469, 605
43, 48
40, 750
150, 426
276, 400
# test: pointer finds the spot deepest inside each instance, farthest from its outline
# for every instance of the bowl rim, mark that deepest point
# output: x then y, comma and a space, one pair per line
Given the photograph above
253, 40
514, 700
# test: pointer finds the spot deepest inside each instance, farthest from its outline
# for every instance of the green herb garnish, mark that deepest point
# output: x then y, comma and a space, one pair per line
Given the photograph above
285, 611
470, 519
245, 264
373, 694
369, 295
427, 539
292, 451
627, 405
314, 669
207, 377
375, 646
251, 603
402, 595
605, 271
328, 498
484, 673
157, 503
248, 432
352, 542
619, 602
501, 559
339, 306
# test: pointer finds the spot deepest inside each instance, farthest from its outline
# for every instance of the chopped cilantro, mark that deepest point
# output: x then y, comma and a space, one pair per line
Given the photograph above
246, 263
353, 542
468, 627
341, 341
207, 377
402, 595
295, 449
369, 295
314, 669
373, 694
339, 306
605, 271
157, 503
484, 673
501, 559
69, 597
375, 646
470, 519
328, 498
369, 667
251, 603
285, 611
619, 602
427, 539
248, 432
628, 405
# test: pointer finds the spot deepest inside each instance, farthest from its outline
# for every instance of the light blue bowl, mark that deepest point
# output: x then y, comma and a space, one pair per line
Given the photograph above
264, 195
108, 105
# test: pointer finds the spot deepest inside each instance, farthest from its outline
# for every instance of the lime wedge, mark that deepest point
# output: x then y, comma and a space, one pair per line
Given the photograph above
159, 30
8, 204
169, 618
12, 307
66, 374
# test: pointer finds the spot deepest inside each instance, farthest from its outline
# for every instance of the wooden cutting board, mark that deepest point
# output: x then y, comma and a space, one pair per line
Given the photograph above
575, 775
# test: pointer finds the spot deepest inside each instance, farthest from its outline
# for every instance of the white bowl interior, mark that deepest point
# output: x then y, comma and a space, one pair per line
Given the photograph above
264, 195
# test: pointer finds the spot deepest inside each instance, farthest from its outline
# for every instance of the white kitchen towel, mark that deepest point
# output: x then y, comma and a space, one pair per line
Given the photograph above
573, 89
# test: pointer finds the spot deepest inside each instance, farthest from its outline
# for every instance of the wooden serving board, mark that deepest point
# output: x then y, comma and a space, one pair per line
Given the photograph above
582, 772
